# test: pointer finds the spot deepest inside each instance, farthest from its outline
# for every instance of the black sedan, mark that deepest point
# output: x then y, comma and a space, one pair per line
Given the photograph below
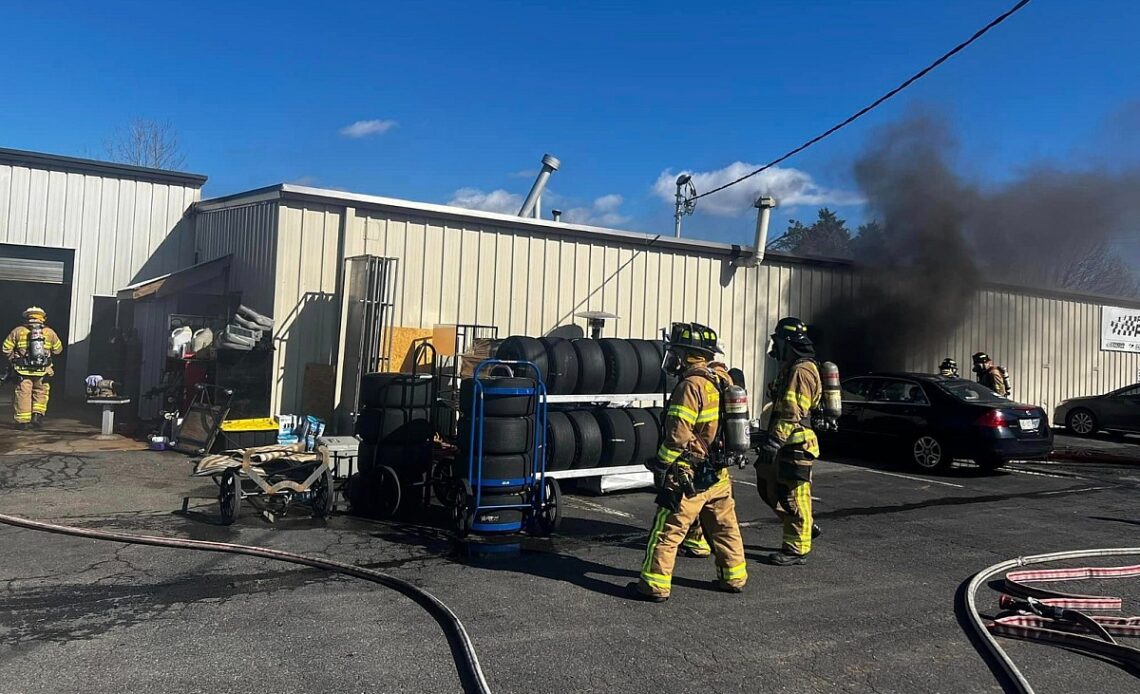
1118, 411
932, 420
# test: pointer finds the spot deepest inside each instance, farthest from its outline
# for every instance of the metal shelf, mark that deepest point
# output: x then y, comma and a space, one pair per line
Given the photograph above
658, 399
598, 472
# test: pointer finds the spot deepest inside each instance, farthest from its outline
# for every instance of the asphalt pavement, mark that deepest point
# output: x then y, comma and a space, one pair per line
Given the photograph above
872, 611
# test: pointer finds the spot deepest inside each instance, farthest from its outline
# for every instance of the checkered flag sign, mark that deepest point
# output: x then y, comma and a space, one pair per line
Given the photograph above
1125, 326
1120, 329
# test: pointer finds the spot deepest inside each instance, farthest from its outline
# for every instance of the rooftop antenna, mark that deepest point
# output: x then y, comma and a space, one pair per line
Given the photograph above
686, 201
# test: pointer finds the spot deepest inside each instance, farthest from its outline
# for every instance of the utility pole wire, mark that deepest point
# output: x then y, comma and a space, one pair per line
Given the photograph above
914, 78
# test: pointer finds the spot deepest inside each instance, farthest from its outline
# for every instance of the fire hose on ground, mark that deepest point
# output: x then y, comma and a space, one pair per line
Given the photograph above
1053, 617
462, 649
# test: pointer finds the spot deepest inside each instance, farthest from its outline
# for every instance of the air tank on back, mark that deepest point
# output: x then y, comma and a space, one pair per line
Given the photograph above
831, 404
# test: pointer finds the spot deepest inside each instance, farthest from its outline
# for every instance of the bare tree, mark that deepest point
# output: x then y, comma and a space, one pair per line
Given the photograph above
146, 142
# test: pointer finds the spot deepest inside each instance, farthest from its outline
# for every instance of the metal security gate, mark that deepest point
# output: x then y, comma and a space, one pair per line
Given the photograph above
371, 293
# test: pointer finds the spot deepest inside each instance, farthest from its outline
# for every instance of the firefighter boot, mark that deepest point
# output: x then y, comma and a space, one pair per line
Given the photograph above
815, 531
37, 421
635, 593
785, 558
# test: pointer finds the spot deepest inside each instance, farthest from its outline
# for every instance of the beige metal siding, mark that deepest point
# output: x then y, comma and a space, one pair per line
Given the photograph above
307, 303
121, 230
249, 234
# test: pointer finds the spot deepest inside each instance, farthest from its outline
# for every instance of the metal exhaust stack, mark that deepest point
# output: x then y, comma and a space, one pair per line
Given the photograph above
763, 205
533, 204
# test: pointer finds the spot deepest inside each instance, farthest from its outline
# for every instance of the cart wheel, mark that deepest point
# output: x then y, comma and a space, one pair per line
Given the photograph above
461, 511
441, 482
550, 513
388, 491
229, 497
323, 495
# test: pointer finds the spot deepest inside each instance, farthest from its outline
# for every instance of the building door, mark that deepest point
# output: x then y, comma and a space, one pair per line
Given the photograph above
37, 276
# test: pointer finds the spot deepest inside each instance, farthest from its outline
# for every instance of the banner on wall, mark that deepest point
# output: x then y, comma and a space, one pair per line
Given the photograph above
1120, 329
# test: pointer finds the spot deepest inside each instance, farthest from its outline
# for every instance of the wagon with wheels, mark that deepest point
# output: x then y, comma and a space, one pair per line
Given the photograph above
273, 479
497, 483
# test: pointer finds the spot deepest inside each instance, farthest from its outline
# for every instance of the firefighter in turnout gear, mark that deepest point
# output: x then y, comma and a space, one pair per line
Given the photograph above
991, 376
697, 487
29, 348
948, 368
784, 458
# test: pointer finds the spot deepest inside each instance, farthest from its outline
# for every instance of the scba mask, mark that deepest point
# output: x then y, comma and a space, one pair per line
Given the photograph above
672, 363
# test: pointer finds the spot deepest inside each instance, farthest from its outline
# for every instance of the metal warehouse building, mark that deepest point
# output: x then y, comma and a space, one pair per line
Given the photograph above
75, 231
530, 276
83, 237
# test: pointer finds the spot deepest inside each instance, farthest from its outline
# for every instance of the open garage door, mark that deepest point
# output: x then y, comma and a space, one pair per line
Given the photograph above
36, 276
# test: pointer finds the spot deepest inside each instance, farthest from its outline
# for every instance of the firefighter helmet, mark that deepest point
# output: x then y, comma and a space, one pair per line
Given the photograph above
694, 336
981, 358
792, 330
948, 367
35, 313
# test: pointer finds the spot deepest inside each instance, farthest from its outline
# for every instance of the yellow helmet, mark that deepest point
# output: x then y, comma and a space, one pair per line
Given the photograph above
35, 313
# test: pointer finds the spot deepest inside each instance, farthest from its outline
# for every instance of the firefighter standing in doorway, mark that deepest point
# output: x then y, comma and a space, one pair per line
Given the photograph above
695, 488
784, 460
29, 348
992, 376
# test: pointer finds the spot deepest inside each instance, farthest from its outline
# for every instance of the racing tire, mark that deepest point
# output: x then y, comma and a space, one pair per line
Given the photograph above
498, 405
927, 453
591, 366
619, 439
502, 468
666, 382
379, 390
522, 348
512, 518
648, 366
646, 436
501, 435
394, 425
622, 368
1082, 422
561, 449
587, 439
562, 362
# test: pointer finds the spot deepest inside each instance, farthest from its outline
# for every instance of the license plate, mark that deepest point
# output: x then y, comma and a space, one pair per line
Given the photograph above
1029, 424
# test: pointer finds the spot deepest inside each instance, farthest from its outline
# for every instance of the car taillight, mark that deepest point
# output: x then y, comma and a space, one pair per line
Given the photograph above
993, 419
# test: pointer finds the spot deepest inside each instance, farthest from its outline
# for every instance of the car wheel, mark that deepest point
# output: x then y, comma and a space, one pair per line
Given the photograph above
928, 453
1081, 422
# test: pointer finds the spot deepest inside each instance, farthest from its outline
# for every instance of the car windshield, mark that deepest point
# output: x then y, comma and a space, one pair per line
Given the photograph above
968, 391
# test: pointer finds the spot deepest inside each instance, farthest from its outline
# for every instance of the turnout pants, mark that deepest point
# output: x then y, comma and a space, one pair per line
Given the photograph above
715, 510
790, 498
31, 397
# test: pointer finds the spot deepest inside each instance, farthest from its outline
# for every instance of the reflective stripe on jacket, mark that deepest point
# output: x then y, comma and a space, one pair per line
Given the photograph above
796, 393
692, 417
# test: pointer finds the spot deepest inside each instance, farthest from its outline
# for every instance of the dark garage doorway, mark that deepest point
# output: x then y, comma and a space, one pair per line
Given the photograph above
36, 276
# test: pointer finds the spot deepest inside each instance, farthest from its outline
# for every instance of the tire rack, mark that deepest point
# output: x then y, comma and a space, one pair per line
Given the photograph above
643, 475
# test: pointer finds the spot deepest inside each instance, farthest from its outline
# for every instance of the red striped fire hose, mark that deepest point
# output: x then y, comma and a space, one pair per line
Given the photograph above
1055, 617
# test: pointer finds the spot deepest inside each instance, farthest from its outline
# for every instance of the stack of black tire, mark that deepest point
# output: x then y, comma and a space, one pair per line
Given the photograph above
395, 430
507, 445
579, 438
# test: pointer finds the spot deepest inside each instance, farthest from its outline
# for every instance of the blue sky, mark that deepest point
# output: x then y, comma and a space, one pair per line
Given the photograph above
466, 97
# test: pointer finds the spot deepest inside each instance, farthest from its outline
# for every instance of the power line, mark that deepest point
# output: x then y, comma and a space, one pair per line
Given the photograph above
914, 78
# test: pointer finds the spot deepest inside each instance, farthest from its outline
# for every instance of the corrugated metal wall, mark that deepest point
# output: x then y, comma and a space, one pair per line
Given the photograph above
249, 233
121, 230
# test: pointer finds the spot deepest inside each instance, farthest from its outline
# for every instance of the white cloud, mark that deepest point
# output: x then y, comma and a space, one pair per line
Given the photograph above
606, 211
790, 187
305, 181
525, 173
495, 201
364, 128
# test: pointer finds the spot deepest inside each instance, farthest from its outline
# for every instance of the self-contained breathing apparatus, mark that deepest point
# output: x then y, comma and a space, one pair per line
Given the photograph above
37, 356
695, 472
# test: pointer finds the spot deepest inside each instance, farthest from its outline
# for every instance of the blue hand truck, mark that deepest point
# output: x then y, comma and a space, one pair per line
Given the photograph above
540, 497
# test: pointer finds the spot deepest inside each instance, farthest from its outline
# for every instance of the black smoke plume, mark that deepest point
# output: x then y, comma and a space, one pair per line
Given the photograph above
938, 239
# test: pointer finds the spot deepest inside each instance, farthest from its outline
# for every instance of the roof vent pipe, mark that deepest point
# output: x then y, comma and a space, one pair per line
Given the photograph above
556, 215
763, 205
530, 208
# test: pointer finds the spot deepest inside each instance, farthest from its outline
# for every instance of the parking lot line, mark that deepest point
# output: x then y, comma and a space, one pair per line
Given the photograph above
924, 480
1077, 491
582, 504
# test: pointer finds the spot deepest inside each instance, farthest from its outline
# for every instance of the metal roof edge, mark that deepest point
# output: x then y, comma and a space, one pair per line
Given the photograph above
41, 160
248, 197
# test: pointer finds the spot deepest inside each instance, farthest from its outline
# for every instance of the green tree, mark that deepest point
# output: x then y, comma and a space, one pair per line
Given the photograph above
870, 243
827, 237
